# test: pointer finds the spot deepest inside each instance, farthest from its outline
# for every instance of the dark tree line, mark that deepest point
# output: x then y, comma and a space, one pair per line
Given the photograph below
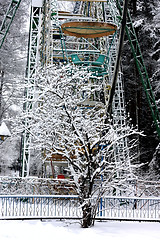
144, 12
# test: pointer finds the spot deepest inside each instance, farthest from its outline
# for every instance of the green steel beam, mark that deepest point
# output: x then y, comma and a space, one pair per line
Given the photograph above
7, 20
136, 51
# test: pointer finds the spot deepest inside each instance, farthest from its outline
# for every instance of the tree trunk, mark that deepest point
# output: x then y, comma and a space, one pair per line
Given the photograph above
87, 219
134, 6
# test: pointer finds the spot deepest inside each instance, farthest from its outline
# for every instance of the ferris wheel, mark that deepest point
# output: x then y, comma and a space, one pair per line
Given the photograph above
83, 33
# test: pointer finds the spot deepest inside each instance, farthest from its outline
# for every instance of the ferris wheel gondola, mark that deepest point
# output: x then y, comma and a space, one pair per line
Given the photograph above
88, 29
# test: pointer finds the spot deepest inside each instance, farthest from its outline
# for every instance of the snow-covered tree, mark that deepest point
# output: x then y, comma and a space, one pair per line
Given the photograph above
145, 16
13, 56
68, 118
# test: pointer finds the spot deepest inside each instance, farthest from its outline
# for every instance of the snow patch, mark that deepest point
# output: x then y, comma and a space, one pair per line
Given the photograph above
37, 3
15, 108
71, 230
4, 131
138, 23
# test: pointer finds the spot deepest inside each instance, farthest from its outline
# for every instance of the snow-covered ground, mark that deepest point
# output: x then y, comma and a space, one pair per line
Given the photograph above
71, 230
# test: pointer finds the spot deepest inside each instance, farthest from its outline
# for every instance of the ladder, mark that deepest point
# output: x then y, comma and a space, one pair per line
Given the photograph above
7, 20
135, 47
29, 94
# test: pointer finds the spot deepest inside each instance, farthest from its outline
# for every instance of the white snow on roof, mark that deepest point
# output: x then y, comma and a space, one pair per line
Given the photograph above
4, 131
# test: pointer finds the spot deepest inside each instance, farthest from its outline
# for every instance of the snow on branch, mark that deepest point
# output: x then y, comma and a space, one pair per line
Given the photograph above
67, 119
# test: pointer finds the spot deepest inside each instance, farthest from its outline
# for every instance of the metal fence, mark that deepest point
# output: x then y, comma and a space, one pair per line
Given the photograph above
25, 207
58, 206
125, 208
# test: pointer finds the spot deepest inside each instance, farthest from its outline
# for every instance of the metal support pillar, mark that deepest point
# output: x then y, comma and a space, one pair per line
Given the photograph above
7, 20
121, 152
32, 63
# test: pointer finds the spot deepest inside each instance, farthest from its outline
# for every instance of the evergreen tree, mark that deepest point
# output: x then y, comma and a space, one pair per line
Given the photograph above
145, 18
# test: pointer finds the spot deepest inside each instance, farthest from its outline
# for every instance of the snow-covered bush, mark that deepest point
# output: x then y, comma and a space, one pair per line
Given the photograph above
68, 119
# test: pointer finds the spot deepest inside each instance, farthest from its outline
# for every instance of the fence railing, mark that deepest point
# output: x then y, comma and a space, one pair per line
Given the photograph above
58, 206
126, 208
